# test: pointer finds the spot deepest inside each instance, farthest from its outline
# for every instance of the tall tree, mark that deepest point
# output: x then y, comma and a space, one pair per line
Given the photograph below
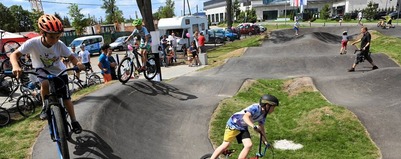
34, 16
145, 6
78, 20
66, 22
236, 9
18, 18
6, 23
229, 13
113, 14
168, 10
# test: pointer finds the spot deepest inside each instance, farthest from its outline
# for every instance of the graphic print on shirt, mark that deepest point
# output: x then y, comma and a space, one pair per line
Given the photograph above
48, 59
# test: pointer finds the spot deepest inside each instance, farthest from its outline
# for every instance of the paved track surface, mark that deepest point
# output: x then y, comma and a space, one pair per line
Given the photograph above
147, 120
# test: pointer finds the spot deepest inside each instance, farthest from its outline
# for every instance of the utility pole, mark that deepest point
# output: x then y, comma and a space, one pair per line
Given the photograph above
285, 12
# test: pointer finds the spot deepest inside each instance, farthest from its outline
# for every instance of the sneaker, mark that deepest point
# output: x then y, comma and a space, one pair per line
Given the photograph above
351, 70
43, 114
375, 67
76, 127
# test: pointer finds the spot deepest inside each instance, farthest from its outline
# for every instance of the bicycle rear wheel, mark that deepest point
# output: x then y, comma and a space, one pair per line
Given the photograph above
60, 131
207, 156
124, 70
151, 69
94, 80
4, 117
25, 105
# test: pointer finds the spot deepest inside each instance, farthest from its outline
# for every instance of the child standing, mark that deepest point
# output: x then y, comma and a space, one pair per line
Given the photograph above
104, 63
344, 42
296, 27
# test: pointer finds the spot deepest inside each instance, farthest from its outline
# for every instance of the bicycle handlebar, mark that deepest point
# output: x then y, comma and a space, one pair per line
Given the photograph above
49, 76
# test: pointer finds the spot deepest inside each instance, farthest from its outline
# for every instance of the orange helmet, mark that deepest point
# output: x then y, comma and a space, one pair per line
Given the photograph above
50, 24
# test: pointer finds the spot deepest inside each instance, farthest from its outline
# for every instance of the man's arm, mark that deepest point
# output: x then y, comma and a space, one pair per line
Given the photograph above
75, 62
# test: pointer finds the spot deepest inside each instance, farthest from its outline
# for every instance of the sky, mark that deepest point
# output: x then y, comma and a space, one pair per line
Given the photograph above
92, 7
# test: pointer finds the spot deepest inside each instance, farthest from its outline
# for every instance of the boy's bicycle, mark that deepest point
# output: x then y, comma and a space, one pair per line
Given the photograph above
260, 154
90, 80
128, 66
57, 114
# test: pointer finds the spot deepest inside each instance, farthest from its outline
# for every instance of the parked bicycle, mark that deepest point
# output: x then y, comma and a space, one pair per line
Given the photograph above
7, 48
24, 104
260, 154
59, 127
90, 80
128, 66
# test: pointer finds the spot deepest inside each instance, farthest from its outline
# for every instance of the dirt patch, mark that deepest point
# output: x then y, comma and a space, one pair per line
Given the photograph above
299, 85
247, 84
235, 53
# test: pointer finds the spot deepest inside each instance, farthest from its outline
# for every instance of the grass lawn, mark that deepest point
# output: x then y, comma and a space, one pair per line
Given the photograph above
325, 130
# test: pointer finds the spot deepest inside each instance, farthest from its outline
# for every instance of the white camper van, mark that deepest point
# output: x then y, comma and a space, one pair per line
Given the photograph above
183, 25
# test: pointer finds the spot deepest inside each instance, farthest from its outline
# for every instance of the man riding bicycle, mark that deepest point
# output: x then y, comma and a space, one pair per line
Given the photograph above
46, 52
145, 37
237, 125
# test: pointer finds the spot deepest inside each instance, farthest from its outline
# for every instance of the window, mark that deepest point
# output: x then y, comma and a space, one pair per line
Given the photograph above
217, 17
203, 26
195, 27
187, 21
221, 17
212, 17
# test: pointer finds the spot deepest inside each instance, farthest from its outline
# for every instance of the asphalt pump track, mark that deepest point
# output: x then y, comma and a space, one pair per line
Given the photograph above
169, 120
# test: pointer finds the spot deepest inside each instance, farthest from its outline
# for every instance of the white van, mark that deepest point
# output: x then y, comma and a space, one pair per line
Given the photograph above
183, 25
92, 43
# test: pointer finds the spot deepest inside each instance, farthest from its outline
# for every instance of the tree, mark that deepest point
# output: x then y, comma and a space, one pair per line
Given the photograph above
165, 11
229, 13
34, 16
66, 22
6, 23
78, 20
145, 6
325, 12
236, 9
113, 14
370, 11
18, 18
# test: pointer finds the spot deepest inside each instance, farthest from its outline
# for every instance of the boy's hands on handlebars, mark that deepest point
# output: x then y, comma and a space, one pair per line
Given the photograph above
17, 71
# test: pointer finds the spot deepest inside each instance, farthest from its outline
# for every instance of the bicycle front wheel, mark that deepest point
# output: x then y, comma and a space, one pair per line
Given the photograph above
25, 105
151, 69
4, 117
124, 70
60, 131
94, 80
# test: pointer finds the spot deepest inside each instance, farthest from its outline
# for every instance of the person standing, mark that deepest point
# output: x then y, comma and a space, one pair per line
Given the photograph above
365, 48
84, 57
296, 27
113, 65
201, 41
104, 63
173, 43
360, 18
237, 125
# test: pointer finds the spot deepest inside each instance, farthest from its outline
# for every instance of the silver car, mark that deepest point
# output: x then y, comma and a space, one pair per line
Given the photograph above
118, 44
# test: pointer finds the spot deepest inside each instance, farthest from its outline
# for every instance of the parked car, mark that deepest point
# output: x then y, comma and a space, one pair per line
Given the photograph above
118, 44
229, 36
236, 31
215, 37
336, 17
380, 15
394, 15
262, 28
91, 43
249, 28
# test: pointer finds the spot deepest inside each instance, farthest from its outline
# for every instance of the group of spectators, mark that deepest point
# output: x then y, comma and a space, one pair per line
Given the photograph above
107, 63
197, 46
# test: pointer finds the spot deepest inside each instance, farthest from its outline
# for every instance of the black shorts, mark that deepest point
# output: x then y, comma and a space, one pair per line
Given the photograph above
244, 134
61, 85
88, 66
